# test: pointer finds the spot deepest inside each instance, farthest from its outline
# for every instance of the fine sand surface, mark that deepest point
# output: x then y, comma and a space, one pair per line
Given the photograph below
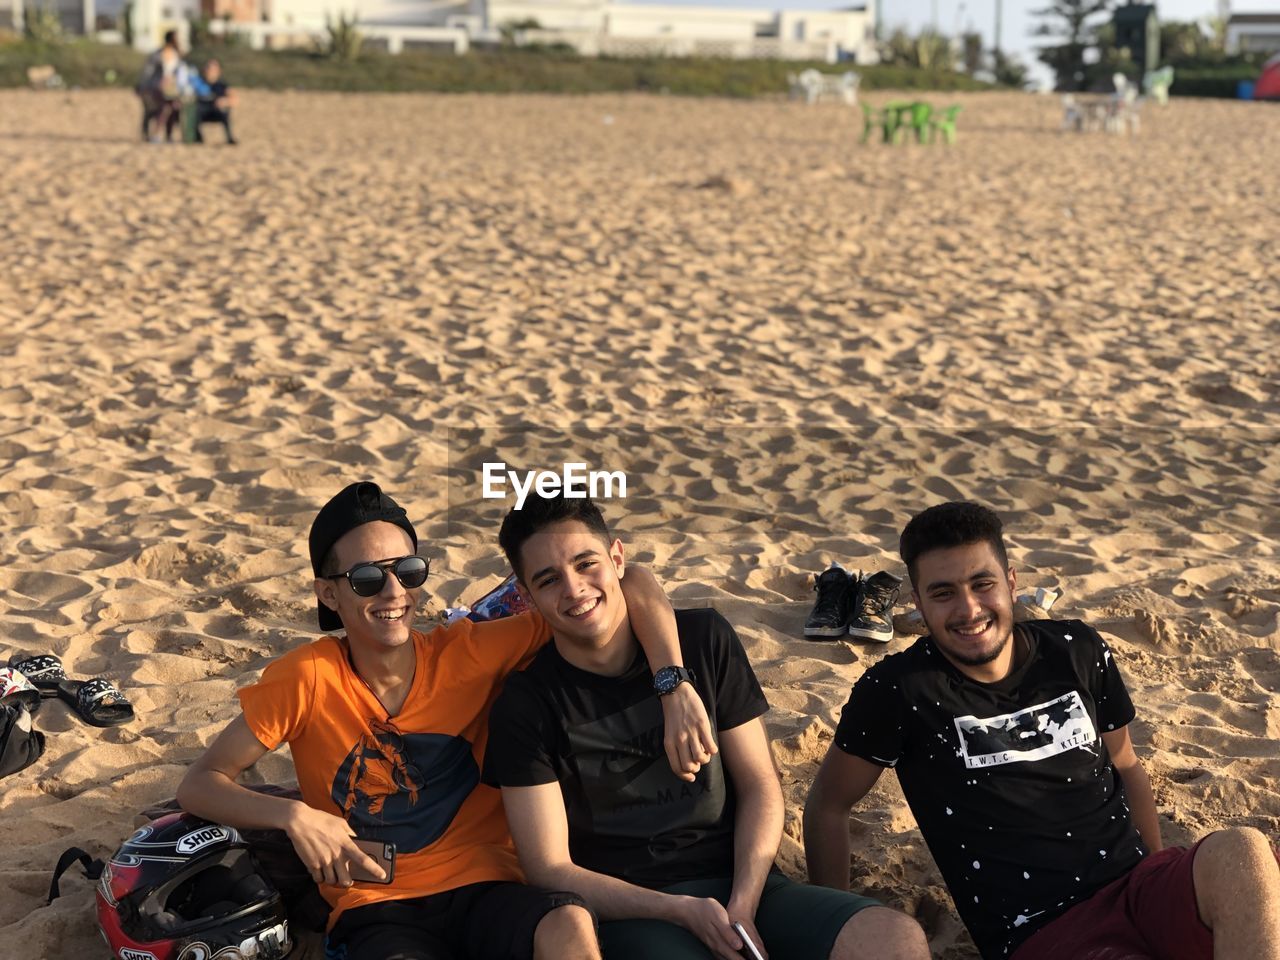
791, 342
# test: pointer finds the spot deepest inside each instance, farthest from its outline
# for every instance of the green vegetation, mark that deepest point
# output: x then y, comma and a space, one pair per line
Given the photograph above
927, 50
932, 51
42, 26
87, 64
1212, 81
80, 63
1202, 67
343, 39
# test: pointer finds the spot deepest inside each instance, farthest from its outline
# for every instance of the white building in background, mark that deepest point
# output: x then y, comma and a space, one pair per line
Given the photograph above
1253, 33
642, 29
590, 26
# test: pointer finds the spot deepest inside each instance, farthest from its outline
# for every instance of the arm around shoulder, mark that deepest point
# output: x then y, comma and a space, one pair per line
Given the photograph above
687, 734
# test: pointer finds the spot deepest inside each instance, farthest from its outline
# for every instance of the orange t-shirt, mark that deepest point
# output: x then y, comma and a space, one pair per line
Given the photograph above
413, 779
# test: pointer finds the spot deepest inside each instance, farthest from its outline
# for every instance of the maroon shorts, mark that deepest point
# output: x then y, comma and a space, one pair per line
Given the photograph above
1148, 914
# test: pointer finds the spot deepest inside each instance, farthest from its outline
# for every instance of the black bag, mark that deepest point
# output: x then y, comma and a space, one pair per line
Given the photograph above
20, 743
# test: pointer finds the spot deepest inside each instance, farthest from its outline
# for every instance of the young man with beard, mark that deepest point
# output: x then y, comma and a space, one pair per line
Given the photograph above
668, 867
387, 727
1011, 744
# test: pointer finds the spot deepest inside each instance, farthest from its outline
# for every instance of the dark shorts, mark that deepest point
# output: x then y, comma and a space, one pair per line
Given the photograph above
482, 921
1150, 913
796, 921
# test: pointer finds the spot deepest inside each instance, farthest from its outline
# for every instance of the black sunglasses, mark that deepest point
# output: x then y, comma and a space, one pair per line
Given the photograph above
368, 579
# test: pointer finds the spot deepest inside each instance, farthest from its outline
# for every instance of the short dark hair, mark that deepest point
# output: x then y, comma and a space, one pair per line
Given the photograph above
170, 38
329, 565
953, 524
540, 512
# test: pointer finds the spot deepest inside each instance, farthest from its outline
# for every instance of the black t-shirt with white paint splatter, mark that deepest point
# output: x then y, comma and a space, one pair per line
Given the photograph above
1010, 782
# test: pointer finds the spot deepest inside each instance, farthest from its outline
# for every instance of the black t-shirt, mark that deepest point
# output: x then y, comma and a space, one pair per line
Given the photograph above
217, 89
1010, 782
600, 737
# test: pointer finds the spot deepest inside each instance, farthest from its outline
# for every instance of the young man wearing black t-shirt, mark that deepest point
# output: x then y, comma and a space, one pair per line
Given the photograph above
575, 744
1012, 747
215, 101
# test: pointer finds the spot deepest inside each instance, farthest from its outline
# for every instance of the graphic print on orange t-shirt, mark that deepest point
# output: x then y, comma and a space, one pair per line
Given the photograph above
378, 769
404, 788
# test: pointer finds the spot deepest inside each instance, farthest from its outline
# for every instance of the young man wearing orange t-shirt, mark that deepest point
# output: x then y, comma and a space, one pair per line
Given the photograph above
387, 727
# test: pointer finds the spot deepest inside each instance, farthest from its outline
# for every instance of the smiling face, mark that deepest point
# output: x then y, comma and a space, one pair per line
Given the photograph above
966, 599
573, 578
384, 620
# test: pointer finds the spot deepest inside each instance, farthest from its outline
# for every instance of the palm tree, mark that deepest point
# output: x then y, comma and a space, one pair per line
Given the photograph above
1071, 22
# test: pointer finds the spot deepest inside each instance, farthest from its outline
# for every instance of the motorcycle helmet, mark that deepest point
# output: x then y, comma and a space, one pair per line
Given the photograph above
182, 888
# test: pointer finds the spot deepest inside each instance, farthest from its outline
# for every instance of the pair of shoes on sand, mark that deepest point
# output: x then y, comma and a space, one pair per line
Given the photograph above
851, 604
97, 702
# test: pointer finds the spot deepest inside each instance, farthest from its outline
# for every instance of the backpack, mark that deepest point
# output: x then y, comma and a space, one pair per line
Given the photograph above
20, 743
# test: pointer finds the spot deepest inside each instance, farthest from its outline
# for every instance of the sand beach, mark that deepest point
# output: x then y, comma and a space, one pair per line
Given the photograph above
789, 341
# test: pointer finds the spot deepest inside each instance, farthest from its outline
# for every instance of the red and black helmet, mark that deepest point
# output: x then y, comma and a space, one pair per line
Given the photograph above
183, 888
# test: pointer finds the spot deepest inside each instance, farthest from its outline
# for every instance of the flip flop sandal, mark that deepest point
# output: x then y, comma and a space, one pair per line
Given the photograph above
44, 671
16, 688
97, 702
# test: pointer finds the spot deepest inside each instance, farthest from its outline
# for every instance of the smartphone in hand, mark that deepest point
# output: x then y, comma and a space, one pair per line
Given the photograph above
383, 852
749, 949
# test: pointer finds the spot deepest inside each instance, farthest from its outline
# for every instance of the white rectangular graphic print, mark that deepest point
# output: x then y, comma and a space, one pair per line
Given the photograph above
1044, 730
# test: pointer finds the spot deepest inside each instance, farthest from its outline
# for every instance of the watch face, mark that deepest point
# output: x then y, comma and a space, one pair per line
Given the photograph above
668, 678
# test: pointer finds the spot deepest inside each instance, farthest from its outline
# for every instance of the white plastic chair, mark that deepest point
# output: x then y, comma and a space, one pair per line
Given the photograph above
1072, 116
1156, 84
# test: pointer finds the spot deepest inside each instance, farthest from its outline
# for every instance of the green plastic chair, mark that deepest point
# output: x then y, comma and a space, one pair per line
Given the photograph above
945, 124
888, 119
871, 119
896, 118
919, 119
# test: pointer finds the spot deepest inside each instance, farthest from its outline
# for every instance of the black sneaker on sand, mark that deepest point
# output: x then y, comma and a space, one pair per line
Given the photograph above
830, 614
873, 600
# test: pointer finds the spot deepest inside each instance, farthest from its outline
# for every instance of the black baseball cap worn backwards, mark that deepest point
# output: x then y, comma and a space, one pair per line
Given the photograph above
356, 505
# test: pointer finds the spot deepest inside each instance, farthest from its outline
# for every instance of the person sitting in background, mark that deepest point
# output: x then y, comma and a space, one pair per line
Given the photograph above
214, 100
172, 85
150, 86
